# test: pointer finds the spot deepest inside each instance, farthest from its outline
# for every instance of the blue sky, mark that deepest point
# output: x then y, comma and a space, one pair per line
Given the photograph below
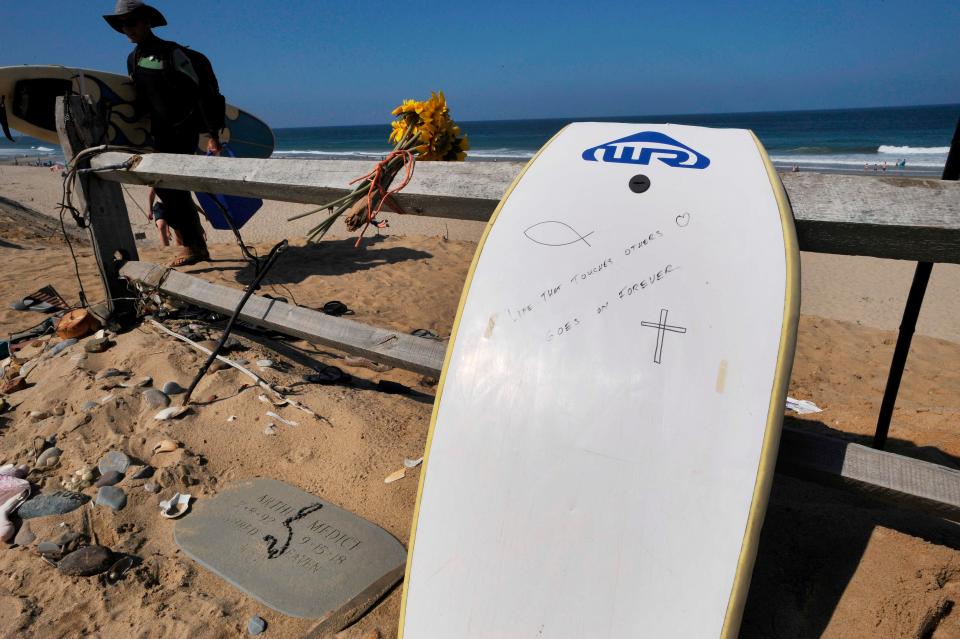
314, 63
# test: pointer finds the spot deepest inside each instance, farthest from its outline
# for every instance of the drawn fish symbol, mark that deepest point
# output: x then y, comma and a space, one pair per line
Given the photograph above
555, 233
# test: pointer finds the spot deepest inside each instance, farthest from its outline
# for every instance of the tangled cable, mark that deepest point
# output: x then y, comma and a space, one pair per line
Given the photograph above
66, 200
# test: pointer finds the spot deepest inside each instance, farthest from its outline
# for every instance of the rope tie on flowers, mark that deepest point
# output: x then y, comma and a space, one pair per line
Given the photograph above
377, 187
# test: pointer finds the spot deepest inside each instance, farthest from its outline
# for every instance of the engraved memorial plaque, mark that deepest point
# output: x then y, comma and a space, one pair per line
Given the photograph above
293, 551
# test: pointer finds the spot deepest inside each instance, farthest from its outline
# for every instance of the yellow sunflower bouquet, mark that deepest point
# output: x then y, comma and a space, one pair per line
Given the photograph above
421, 131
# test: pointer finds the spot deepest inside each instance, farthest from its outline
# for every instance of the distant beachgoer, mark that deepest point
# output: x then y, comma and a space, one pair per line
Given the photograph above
884, 165
866, 166
157, 212
795, 169
178, 89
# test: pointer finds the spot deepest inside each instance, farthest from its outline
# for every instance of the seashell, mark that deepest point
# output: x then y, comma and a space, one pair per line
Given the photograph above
171, 412
138, 383
394, 476
176, 506
165, 446
264, 364
412, 463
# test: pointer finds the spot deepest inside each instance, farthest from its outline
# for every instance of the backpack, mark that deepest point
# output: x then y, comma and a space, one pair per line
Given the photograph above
182, 61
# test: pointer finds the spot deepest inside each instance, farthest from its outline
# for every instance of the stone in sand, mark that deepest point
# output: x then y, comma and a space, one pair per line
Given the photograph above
49, 457
58, 503
25, 536
112, 497
109, 478
327, 563
108, 372
143, 472
173, 388
256, 625
114, 460
97, 345
86, 561
155, 398
73, 422
14, 385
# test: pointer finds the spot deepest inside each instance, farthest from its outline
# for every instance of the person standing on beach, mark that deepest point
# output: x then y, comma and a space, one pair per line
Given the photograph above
177, 88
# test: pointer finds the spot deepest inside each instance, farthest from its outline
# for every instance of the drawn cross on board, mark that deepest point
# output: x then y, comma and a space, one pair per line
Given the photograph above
662, 327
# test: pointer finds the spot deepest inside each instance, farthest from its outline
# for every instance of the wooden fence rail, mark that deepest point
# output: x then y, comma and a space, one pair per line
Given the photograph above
888, 216
417, 354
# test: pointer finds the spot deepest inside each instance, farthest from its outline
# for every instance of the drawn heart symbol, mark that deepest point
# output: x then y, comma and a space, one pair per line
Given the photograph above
683, 220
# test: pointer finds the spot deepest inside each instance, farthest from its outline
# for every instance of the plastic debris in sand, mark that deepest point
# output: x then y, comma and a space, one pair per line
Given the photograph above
13, 492
273, 415
802, 406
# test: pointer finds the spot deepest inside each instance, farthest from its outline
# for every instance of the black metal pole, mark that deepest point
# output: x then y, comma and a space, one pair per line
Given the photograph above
921, 276
271, 258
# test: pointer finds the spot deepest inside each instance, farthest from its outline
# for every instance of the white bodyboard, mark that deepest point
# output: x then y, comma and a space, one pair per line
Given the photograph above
607, 422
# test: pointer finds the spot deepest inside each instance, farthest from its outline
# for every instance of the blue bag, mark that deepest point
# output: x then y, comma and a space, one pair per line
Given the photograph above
239, 208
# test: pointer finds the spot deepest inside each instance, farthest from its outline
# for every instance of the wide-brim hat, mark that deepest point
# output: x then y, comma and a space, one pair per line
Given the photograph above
130, 8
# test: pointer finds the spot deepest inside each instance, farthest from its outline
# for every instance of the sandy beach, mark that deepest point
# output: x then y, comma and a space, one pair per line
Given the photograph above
831, 563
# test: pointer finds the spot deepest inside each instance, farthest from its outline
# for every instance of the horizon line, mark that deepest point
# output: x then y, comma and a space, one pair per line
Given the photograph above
656, 115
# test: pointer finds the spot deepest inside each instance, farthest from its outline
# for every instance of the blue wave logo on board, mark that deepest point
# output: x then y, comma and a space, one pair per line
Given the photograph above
641, 148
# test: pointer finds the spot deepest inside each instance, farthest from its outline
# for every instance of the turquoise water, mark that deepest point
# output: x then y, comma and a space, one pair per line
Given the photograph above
837, 140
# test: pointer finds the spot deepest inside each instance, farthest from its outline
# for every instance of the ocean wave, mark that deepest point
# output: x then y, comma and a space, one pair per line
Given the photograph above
45, 149
503, 153
913, 150
835, 160
824, 150
360, 153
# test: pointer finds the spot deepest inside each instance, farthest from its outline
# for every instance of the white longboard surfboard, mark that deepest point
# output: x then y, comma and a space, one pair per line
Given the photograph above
606, 426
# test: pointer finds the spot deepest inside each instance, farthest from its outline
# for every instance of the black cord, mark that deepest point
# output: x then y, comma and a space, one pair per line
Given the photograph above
64, 207
254, 285
252, 260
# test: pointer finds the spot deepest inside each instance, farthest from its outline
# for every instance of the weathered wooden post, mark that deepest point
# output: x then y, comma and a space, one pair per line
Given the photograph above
82, 124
